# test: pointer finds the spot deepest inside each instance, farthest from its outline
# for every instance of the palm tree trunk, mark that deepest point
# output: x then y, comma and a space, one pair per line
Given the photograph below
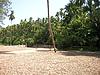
49, 27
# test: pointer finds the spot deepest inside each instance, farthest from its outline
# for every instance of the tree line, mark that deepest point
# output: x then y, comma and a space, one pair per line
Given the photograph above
77, 24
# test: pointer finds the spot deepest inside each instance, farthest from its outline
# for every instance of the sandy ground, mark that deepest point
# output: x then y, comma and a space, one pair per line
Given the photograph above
19, 60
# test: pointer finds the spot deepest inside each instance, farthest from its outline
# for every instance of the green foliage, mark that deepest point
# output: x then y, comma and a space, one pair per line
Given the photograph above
4, 8
76, 25
27, 32
11, 16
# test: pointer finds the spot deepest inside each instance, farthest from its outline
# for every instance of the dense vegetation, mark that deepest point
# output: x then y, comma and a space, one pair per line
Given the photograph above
77, 24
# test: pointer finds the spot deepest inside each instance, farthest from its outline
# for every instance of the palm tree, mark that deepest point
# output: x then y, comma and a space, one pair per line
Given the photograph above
50, 29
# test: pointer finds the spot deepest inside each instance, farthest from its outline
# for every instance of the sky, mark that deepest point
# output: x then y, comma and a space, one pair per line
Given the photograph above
24, 9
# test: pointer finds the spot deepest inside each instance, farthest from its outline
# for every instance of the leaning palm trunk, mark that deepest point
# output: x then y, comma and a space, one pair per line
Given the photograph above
49, 27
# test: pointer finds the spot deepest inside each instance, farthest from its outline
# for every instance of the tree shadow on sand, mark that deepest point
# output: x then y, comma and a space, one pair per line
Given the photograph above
81, 53
5, 52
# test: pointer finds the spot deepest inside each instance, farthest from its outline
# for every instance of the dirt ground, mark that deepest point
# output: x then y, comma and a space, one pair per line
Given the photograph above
20, 60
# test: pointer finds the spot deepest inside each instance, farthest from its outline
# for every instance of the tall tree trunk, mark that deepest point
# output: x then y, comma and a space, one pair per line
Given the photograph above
49, 27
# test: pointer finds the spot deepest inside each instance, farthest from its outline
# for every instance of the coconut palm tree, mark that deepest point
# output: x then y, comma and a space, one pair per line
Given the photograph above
50, 29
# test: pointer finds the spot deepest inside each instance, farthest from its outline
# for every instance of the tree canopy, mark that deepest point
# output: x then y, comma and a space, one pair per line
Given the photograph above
75, 25
4, 8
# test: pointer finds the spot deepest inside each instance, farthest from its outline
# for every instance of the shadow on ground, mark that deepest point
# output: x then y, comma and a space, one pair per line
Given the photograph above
81, 53
5, 52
